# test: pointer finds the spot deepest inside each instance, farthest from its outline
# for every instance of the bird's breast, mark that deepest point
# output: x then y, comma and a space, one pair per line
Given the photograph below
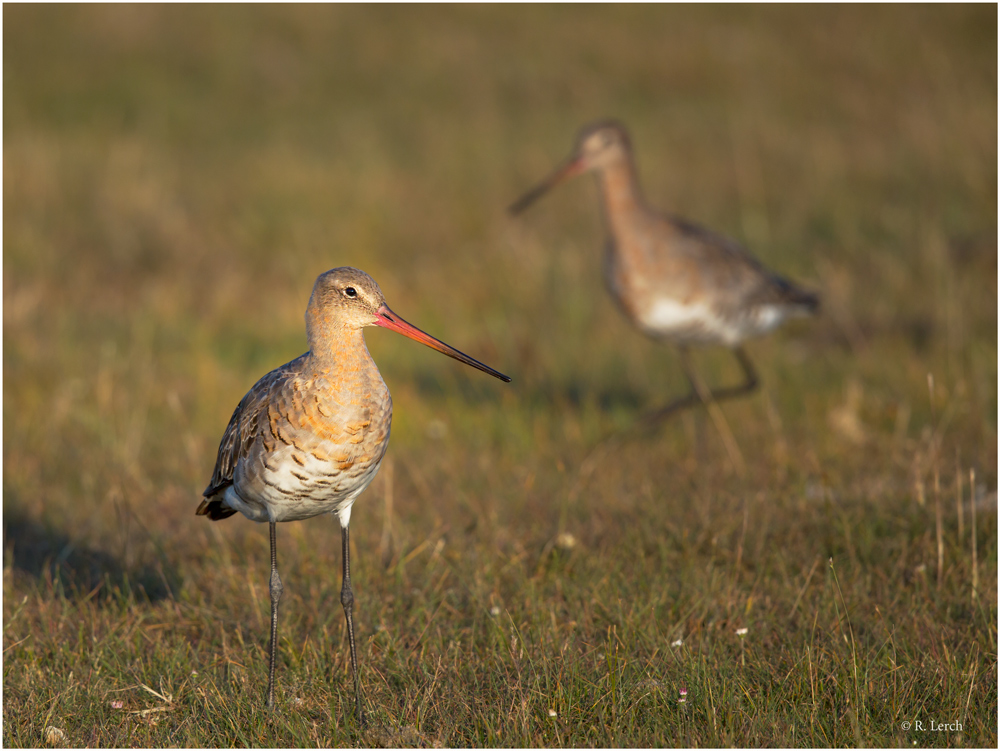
318, 446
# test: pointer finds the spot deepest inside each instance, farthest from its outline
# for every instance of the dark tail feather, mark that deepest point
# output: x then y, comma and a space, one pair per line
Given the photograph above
796, 297
808, 301
214, 510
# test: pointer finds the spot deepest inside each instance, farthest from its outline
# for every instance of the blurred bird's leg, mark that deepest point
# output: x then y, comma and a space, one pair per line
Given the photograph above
711, 404
699, 393
750, 384
276, 590
347, 600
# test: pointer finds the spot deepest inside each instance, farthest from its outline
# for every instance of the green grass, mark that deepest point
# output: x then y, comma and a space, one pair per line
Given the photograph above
176, 177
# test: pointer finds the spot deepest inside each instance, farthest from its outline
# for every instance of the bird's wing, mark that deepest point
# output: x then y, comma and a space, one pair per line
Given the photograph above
239, 435
732, 271
725, 256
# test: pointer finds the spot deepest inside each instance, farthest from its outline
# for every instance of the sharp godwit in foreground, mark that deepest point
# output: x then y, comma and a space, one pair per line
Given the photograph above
309, 437
674, 280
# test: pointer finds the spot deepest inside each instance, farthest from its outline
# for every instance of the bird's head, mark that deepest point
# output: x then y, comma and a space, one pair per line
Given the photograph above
598, 146
347, 298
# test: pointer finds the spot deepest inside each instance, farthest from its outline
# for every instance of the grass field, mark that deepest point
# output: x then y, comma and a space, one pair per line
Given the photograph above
176, 177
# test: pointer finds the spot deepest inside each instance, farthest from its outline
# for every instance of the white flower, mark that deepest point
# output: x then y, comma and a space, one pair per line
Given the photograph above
553, 713
677, 643
55, 736
741, 631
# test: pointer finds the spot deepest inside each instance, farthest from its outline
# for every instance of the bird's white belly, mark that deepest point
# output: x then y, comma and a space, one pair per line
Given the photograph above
699, 323
681, 321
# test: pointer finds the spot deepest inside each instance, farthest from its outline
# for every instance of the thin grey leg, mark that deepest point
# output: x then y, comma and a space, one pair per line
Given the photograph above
276, 590
347, 600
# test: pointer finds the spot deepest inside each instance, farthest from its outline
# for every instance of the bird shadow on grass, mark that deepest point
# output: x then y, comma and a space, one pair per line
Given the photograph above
75, 570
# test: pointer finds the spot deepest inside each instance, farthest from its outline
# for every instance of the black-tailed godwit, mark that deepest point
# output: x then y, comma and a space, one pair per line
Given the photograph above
674, 280
309, 437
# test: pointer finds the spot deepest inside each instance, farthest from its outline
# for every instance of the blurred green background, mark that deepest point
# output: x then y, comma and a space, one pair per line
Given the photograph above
175, 177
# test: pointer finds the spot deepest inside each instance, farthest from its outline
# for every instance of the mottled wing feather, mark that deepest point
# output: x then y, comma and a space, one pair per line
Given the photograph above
239, 437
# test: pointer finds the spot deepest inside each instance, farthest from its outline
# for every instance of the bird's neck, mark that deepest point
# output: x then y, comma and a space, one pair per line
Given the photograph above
341, 350
621, 196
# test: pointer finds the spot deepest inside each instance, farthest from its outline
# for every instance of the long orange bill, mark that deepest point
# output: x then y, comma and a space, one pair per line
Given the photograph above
389, 320
572, 168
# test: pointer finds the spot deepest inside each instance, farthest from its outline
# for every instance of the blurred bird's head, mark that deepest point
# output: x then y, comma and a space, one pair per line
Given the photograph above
598, 146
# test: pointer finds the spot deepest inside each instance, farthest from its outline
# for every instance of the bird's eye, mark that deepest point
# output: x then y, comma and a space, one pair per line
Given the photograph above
350, 292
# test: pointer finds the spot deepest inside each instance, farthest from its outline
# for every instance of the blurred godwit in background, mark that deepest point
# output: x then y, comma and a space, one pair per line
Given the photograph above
674, 280
309, 437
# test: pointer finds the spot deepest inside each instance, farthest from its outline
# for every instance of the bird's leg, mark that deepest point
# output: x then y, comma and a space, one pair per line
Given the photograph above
709, 399
276, 590
748, 385
347, 600
699, 394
